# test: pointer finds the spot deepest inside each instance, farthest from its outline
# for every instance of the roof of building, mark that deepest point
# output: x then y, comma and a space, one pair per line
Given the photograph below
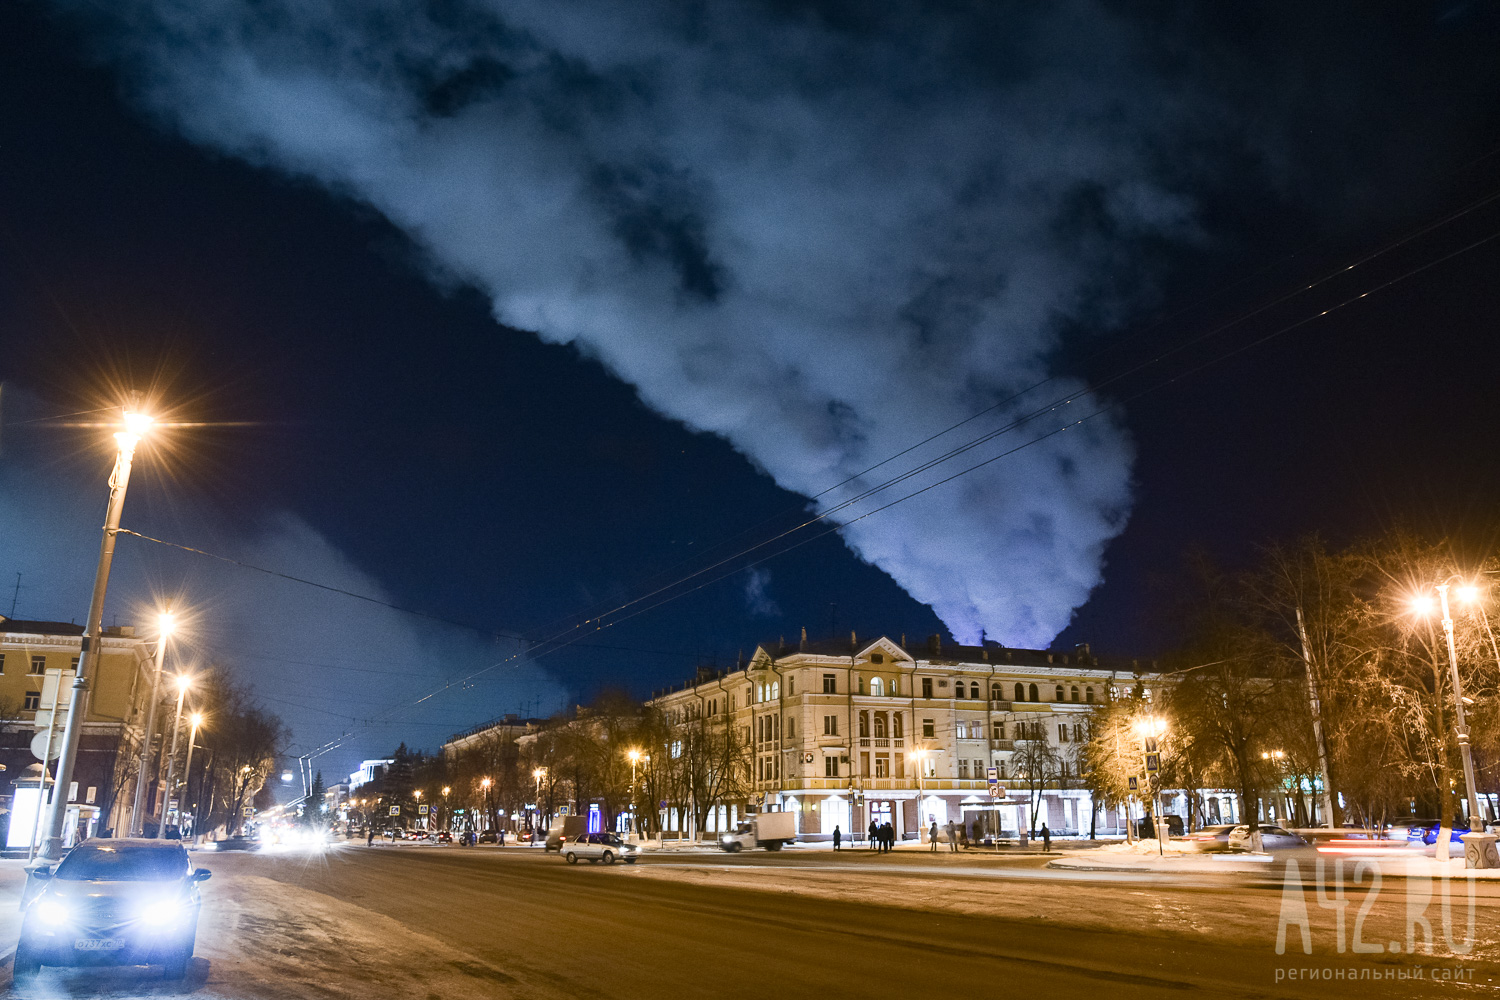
39, 628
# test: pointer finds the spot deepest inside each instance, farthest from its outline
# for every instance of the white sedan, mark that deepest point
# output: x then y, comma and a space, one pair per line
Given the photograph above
605, 847
1272, 837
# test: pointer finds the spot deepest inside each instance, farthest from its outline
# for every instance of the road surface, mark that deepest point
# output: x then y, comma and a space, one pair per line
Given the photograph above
419, 921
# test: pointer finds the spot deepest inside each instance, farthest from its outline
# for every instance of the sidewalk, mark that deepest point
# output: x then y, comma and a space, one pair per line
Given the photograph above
1143, 856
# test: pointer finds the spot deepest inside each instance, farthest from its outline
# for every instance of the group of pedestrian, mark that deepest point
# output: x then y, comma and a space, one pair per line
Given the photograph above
882, 836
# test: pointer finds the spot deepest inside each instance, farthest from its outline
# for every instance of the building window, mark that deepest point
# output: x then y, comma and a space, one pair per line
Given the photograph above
861, 682
33, 701
896, 725
775, 690
830, 725
994, 692
830, 767
927, 729
791, 727
958, 690
830, 684
2, 663
864, 725
1060, 696
1078, 732
877, 657
997, 730
1074, 693
1035, 695
929, 767
961, 730
73, 664
880, 725
1088, 695
882, 765
1020, 692
877, 687
974, 690
1062, 734
39, 664
900, 765
1001, 766
926, 687
791, 685
963, 767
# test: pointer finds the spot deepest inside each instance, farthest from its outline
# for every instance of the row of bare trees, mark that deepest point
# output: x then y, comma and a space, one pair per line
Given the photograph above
1350, 640
613, 753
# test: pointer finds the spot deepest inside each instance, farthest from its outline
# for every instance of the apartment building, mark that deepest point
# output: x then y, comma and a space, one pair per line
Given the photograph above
102, 789
850, 732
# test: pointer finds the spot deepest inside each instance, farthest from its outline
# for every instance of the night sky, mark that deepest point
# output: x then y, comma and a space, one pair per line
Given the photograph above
514, 313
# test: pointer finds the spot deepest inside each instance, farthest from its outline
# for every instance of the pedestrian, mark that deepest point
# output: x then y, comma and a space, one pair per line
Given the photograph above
888, 836
876, 835
369, 836
1046, 838
952, 838
837, 836
501, 841
932, 836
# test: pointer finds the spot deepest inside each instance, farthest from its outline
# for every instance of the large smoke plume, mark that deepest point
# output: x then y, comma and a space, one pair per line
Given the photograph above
822, 236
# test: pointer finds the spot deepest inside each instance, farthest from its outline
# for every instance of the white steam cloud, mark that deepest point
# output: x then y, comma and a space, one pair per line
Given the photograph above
823, 241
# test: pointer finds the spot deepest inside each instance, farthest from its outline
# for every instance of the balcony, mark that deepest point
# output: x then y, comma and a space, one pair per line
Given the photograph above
1002, 744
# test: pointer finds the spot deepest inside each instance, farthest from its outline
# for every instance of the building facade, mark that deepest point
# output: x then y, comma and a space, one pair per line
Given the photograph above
852, 733
103, 787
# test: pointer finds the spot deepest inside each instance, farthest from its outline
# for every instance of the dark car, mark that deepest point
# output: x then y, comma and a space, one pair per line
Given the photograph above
443, 837
113, 902
489, 837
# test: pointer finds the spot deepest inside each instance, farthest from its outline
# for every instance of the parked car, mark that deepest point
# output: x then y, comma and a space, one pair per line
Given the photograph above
1211, 838
1271, 837
605, 847
1145, 829
113, 902
488, 837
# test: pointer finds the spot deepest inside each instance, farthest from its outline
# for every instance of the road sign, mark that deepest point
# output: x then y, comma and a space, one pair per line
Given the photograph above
993, 774
1153, 763
422, 810
39, 745
1151, 744
1135, 783
395, 810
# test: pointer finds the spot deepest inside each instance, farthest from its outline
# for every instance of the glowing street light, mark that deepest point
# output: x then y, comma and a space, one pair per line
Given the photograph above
1458, 703
195, 720
183, 682
136, 424
165, 622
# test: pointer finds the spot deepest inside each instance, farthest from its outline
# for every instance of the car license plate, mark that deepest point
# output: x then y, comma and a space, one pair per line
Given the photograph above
98, 944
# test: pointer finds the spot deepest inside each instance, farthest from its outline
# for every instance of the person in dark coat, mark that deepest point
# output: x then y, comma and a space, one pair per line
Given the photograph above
837, 837
876, 832
932, 836
369, 836
1046, 838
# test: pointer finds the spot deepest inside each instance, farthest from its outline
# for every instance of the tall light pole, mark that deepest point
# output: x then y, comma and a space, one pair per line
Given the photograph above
194, 721
136, 424
919, 758
183, 683
164, 622
1458, 708
635, 758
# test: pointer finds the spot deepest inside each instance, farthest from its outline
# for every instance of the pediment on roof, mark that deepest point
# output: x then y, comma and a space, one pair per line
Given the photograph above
889, 650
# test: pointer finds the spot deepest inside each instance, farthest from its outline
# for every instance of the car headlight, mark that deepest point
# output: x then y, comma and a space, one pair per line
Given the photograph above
52, 913
161, 912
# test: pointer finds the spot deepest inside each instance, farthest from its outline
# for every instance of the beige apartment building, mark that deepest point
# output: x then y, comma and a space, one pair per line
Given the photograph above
850, 732
103, 778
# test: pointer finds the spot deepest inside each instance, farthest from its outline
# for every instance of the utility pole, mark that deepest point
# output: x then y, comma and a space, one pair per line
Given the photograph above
164, 630
1329, 815
1458, 707
93, 633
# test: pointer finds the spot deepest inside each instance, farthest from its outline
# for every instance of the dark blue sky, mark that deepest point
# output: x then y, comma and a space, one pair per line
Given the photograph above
477, 473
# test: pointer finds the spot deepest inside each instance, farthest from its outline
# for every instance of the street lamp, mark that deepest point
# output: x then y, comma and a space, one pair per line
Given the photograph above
1423, 603
164, 623
184, 681
194, 721
135, 424
919, 759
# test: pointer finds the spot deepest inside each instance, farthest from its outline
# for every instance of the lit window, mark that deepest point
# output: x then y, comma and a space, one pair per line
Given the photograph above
961, 730
877, 687
882, 765
775, 690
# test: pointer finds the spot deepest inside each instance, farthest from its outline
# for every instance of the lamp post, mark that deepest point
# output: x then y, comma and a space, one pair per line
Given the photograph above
416, 794
485, 784
194, 721
164, 621
183, 683
635, 758
918, 759
1458, 707
1150, 729
135, 425
443, 820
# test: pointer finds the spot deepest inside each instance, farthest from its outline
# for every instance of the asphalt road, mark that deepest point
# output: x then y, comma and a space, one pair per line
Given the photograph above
452, 923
